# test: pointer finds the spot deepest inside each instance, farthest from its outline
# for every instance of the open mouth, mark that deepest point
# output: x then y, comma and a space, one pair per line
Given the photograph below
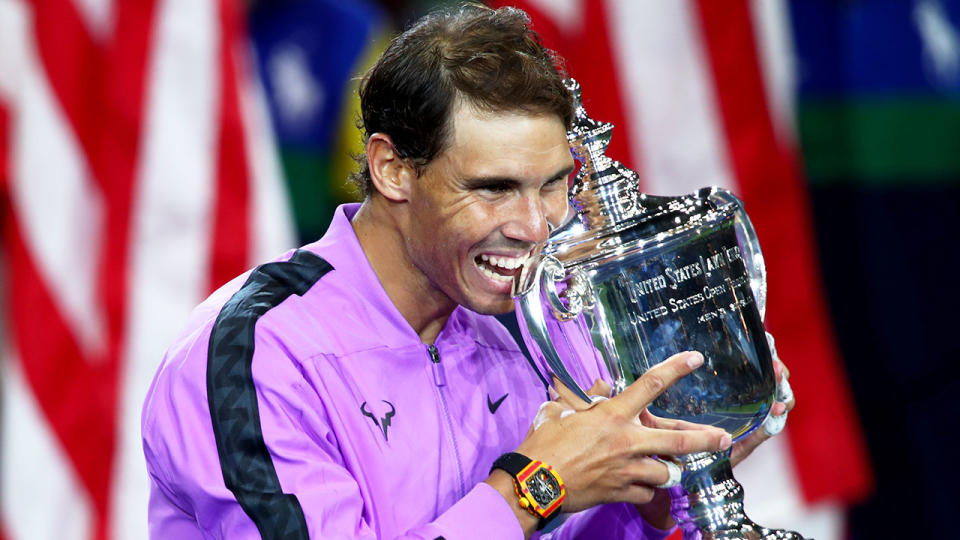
499, 267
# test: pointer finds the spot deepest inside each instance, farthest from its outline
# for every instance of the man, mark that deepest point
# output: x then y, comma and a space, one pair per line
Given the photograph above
357, 388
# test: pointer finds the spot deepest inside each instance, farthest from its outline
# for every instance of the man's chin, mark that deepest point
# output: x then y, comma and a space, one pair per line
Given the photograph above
493, 308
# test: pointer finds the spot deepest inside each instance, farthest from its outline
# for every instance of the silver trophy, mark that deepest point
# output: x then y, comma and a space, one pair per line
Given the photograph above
632, 279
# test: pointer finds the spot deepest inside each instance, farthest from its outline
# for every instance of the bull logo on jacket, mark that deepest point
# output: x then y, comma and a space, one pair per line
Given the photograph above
382, 422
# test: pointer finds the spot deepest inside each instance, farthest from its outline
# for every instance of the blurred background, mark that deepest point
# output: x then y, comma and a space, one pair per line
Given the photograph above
150, 150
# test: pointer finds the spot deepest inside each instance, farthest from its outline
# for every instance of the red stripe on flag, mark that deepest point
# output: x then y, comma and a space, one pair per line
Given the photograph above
4, 155
4, 213
100, 89
825, 436
118, 151
591, 59
232, 192
74, 66
74, 392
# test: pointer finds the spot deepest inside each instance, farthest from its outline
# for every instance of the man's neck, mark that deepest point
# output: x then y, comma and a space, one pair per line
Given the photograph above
423, 307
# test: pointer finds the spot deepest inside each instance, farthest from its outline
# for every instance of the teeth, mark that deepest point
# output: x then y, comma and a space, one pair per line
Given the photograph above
493, 275
507, 263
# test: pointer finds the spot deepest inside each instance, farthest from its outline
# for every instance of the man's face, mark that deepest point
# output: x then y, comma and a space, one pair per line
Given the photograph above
482, 205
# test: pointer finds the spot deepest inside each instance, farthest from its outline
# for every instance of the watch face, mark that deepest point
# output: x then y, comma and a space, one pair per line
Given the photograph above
543, 487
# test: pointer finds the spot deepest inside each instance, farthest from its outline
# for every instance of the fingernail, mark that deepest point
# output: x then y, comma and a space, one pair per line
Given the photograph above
694, 359
725, 442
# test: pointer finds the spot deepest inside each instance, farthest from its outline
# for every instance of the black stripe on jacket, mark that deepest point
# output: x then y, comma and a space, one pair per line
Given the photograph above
248, 470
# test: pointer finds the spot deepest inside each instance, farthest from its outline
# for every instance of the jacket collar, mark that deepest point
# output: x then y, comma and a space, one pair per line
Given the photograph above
340, 247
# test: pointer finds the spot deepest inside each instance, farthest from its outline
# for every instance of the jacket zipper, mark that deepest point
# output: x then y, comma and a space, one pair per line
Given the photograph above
440, 379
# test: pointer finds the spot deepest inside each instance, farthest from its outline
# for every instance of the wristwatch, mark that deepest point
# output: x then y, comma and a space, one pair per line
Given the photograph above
539, 488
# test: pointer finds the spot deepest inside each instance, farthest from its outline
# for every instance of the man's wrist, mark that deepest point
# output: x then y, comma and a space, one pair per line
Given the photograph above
501, 481
540, 490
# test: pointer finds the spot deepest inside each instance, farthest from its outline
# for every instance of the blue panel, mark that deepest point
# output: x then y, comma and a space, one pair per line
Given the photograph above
307, 52
876, 46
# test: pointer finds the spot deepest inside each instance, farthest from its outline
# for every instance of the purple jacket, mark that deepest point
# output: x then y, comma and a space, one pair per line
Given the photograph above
298, 403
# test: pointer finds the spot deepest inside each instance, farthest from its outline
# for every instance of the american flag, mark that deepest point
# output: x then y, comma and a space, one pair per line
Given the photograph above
136, 175
700, 93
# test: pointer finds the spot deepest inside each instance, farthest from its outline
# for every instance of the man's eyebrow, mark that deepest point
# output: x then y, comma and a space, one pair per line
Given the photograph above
563, 172
485, 181
506, 181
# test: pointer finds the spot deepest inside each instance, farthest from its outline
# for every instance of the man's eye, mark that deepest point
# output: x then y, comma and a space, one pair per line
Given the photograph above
555, 182
497, 188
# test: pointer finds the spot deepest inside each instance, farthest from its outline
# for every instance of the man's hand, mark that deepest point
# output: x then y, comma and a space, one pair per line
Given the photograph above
657, 511
746, 446
603, 452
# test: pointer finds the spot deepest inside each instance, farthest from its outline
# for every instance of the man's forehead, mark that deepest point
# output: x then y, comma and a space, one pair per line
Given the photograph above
515, 129
465, 109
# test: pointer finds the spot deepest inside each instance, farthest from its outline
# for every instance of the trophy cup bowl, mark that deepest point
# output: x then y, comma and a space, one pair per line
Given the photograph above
631, 280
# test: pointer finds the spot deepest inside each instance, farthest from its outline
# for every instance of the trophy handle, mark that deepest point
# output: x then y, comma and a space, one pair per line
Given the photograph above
749, 245
534, 326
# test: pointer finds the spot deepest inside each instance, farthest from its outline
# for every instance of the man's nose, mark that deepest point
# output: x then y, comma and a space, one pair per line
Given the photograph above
529, 222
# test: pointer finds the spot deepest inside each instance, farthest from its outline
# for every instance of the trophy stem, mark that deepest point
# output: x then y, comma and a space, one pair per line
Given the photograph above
713, 507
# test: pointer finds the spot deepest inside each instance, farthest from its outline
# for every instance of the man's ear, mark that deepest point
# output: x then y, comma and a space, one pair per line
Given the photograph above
392, 175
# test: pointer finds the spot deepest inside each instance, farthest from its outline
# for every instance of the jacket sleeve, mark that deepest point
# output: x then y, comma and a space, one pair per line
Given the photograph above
619, 520
259, 460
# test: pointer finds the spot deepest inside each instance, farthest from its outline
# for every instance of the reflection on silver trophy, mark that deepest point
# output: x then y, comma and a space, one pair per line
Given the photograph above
632, 279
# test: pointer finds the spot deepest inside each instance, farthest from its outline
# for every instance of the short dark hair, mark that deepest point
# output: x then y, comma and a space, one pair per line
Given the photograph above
488, 57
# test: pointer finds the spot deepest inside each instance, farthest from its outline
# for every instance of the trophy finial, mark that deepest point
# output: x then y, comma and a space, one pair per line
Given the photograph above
604, 192
586, 135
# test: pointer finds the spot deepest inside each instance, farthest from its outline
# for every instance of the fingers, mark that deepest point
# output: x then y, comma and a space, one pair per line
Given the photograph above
747, 445
566, 396
600, 388
635, 398
650, 420
772, 425
785, 393
559, 392
679, 442
641, 479
779, 368
777, 419
633, 494
674, 473
655, 472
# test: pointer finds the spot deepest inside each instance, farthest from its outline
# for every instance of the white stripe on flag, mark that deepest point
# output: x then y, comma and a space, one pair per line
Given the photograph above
271, 230
771, 22
53, 195
13, 29
41, 497
171, 225
675, 130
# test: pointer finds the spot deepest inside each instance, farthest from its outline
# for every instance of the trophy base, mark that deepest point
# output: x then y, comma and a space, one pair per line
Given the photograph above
713, 507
